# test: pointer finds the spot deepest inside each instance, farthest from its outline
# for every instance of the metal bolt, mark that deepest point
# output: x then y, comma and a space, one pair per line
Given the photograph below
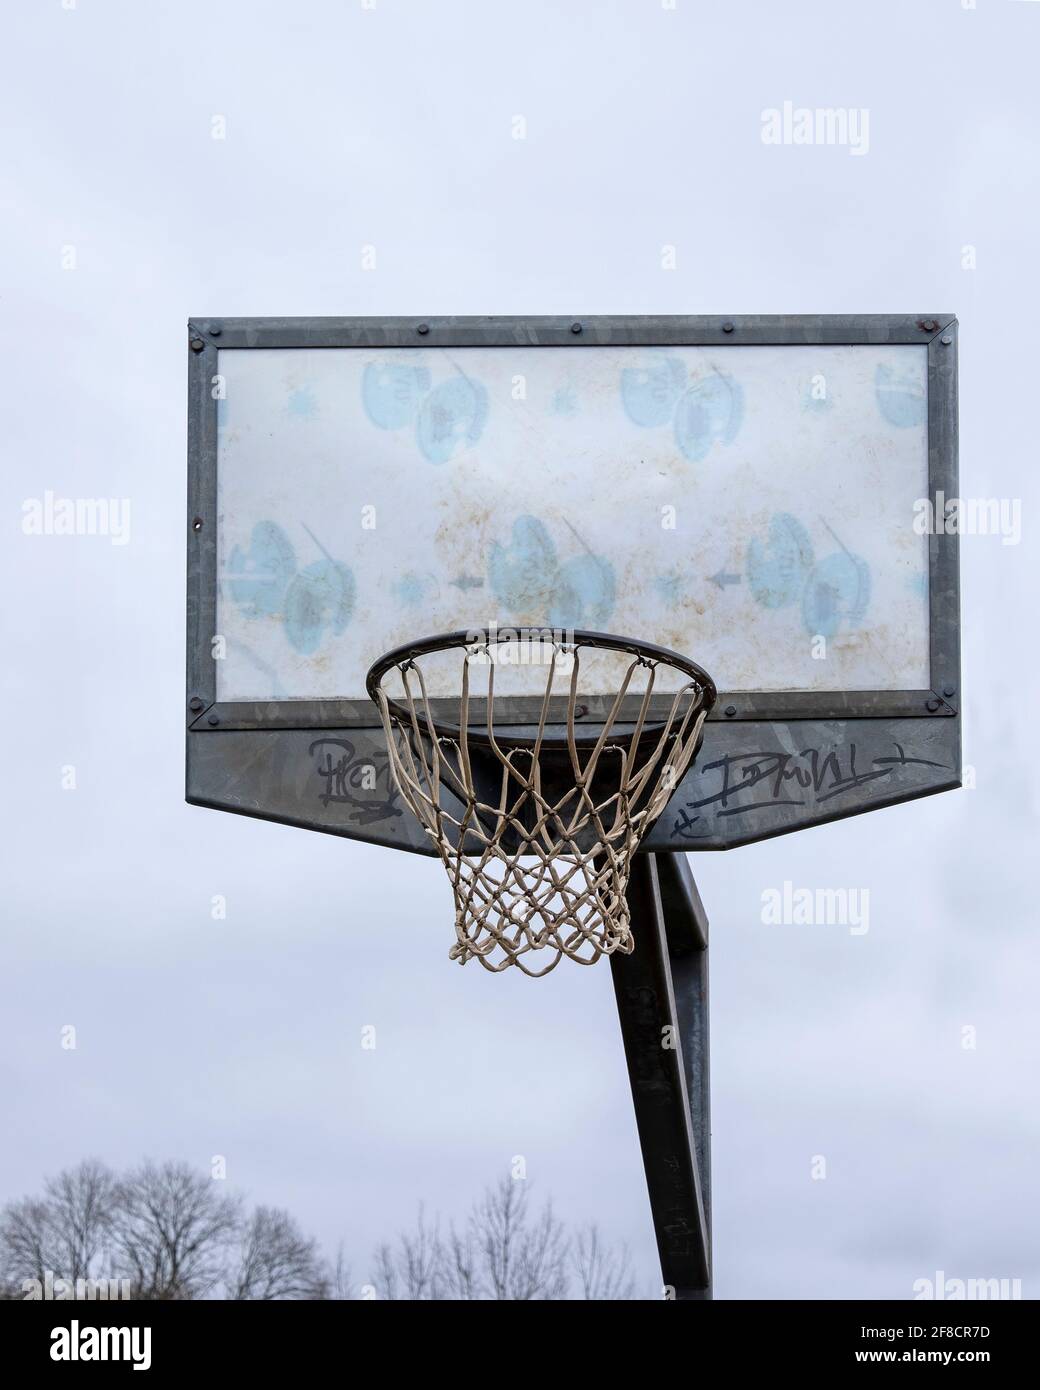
196, 525
949, 690
195, 704
214, 720
423, 329
928, 325
730, 711
215, 330
947, 339
580, 711
197, 344
933, 704
575, 327
727, 327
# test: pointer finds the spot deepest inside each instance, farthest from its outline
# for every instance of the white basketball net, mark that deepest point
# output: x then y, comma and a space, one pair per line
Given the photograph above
539, 853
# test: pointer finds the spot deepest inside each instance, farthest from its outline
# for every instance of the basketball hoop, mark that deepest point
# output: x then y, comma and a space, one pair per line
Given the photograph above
536, 821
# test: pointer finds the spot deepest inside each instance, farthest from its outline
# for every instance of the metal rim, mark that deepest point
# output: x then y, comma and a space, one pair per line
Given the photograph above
578, 637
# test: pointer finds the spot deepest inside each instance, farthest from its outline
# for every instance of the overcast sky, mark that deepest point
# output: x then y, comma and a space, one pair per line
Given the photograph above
392, 127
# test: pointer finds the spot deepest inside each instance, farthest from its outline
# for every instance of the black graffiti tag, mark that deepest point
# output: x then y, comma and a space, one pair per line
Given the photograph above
758, 781
345, 772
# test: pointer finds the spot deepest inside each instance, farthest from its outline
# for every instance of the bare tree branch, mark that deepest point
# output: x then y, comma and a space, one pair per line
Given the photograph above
80, 1202
386, 1283
25, 1241
171, 1230
522, 1257
64, 1232
277, 1261
603, 1271
413, 1268
340, 1284
504, 1253
460, 1275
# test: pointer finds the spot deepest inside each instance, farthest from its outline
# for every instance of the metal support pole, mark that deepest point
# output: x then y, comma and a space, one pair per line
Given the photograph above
662, 998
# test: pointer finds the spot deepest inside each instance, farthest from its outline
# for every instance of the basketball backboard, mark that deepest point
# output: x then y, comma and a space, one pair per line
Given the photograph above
759, 494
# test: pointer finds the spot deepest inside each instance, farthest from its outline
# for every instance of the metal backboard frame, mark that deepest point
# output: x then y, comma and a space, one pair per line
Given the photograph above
256, 757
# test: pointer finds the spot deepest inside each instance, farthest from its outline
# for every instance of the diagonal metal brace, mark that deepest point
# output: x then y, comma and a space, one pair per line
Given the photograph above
662, 998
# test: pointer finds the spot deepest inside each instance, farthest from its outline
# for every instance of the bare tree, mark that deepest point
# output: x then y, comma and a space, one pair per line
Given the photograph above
460, 1264
25, 1241
504, 1252
386, 1282
603, 1271
80, 1204
412, 1268
165, 1228
277, 1261
522, 1257
340, 1284
173, 1234
171, 1231
64, 1232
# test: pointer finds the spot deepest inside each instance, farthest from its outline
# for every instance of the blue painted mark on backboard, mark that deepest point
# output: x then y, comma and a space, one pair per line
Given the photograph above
413, 589
564, 401
302, 404
833, 592
259, 576
527, 578
521, 572
837, 592
319, 599
711, 411
391, 393
585, 593
451, 418
900, 395
650, 394
448, 418
671, 586
265, 582
778, 568
918, 584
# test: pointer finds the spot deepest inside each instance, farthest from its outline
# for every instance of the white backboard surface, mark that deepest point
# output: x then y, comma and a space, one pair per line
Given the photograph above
750, 507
